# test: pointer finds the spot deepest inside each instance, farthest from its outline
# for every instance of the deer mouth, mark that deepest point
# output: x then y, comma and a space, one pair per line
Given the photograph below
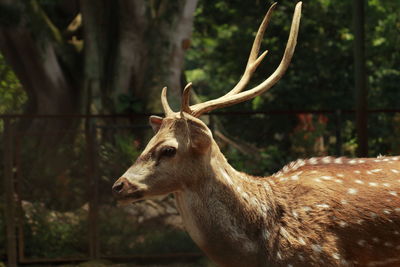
130, 197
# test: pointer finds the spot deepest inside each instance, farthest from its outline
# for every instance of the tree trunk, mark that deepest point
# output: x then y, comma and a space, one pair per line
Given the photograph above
34, 59
131, 49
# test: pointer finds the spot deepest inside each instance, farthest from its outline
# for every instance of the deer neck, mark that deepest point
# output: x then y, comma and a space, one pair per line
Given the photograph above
228, 211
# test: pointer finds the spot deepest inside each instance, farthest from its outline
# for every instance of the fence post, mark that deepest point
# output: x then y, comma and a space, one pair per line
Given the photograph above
94, 250
339, 141
9, 209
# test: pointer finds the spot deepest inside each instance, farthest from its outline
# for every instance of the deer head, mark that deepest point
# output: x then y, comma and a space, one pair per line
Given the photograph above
183, 146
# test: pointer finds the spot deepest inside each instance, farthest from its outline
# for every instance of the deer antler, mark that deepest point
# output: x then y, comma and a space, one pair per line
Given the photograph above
235, 95
164, 102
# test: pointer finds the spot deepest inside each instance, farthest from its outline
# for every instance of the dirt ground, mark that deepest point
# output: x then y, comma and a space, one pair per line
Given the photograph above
103, 263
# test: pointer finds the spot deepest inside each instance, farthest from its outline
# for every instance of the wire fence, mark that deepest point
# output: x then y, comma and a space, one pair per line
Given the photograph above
58, 170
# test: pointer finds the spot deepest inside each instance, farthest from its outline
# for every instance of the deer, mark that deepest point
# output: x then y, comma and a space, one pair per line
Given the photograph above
320, 211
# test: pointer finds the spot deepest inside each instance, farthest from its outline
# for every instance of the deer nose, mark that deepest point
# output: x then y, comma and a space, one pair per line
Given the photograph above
120, 186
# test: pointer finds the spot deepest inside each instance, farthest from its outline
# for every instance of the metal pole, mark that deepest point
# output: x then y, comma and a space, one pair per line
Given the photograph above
94, 250
339, 141
9, 209
360, 78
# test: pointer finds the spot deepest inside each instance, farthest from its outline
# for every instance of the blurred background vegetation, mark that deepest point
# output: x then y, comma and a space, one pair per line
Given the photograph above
66, 58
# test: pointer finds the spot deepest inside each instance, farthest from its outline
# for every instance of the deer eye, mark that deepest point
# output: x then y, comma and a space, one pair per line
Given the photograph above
168, 151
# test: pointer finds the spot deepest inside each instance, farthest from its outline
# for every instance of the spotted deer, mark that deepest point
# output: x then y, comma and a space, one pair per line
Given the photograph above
314, 212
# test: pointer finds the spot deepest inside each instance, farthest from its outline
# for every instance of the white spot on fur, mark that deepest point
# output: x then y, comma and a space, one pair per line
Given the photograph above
284, 233
340, 175
254, 201
352, 191
343, 224
386, 211
357, 171
301, 241
395, 171
306, 209
336, 256
353, 161
265, 234
373, 184
344, 202
359, 181
313, 161
376, 170
317, 180
285, 169
301, 162
326, 160
386, 184
344, 262
294, 177
316, 248
369, 172
327, 178
266, 186
373, 215
361, 242
264, 208
375, 239
324, 206
393, 193
361, 161
279, 255
360, 221
338, 161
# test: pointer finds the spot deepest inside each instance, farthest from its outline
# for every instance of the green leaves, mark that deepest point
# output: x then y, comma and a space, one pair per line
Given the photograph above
12, 95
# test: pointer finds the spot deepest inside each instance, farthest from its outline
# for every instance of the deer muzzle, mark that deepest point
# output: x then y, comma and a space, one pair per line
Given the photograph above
124, 189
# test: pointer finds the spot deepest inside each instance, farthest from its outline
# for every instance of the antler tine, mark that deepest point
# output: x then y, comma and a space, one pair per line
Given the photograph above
253, 61
164, 102
186, 98
232, 99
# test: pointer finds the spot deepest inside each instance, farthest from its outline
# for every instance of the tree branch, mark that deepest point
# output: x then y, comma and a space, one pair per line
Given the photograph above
47, 21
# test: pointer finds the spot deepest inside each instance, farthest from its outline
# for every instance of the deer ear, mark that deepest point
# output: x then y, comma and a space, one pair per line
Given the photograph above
200, 139
155, 123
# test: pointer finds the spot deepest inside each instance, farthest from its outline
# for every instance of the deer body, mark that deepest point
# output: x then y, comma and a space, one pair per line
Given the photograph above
315, 212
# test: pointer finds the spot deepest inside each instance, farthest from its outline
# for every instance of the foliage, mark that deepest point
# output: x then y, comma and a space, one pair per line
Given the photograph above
12, 95
62, 185
121, 235
53, 234
224, 33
